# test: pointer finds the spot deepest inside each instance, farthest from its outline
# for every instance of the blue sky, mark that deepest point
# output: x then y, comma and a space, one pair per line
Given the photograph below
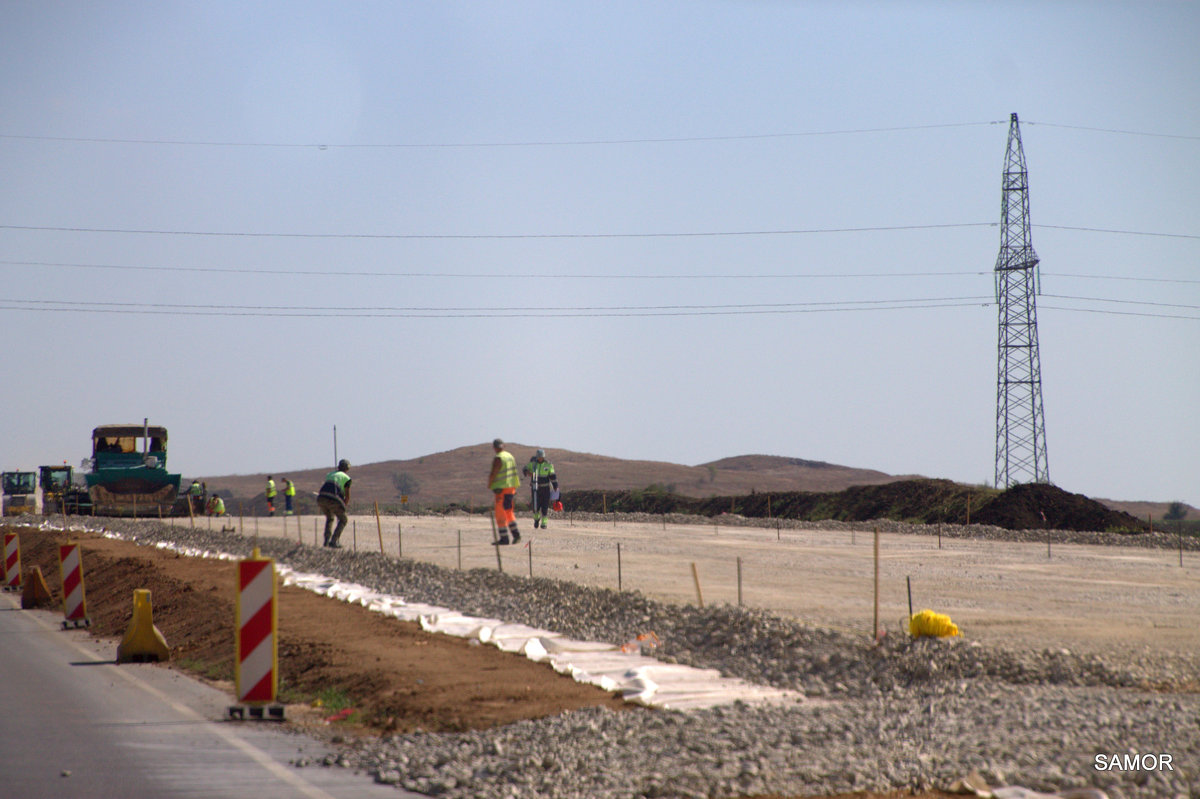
665, 231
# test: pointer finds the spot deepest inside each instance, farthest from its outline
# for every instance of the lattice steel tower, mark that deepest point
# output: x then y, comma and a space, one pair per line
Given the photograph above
1020, 426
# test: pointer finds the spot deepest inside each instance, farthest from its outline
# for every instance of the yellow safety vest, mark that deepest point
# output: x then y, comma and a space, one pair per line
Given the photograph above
507, 477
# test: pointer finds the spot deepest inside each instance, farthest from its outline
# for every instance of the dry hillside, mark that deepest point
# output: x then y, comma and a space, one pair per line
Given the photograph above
460, 475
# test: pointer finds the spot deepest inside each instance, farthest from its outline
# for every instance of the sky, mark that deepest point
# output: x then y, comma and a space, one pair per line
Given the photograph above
671, 231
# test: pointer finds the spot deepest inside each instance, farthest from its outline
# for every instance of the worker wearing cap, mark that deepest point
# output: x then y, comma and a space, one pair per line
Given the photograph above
289, 496
270, 495
503, 480
332, 499
542, 479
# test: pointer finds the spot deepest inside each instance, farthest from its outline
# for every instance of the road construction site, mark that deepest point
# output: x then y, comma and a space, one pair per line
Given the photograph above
1039, 593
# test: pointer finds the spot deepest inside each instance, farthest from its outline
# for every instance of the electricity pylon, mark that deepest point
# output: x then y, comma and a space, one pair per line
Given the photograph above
1020, 426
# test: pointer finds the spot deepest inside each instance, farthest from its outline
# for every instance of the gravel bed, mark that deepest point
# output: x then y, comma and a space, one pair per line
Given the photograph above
910, 713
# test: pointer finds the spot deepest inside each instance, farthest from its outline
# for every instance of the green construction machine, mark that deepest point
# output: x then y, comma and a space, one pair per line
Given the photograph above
128, 472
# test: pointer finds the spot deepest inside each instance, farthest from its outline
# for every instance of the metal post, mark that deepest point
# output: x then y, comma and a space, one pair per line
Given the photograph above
877, 585
739, 575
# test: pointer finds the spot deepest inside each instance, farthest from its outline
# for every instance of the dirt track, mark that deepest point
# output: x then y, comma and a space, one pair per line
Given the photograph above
1082, 598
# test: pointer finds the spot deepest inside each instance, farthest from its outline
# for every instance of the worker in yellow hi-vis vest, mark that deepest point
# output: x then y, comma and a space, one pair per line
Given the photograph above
289, 497
543, 483
332, 500
270, 495
503, 480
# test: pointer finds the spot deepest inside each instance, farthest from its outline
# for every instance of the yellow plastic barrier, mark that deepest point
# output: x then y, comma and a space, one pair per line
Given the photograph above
142, 641
34, 593
928, 622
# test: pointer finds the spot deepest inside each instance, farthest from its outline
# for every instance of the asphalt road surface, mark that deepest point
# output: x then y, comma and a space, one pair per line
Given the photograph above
73, 723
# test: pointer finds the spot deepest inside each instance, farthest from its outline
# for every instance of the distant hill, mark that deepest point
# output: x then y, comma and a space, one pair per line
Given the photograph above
1148, 510
460, 475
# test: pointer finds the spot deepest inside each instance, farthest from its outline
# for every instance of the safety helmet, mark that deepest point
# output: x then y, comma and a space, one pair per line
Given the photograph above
343, 465
541, 453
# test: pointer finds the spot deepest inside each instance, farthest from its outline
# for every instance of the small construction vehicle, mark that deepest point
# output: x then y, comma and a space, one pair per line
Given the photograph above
63, 491
19, 492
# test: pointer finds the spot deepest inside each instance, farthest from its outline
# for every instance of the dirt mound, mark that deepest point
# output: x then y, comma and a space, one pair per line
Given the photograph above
1024, 507
1036, 507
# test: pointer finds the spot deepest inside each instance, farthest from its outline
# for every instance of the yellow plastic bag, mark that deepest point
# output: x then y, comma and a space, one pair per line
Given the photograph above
928, 622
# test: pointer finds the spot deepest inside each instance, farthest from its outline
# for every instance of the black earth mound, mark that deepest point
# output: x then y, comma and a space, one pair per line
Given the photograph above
1023, 507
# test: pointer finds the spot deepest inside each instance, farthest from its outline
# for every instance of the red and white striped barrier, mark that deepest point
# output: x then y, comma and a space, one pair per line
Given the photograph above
12, 562
70, 570
257, 668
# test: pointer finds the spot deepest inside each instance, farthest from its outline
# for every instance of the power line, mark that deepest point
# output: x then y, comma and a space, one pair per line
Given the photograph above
454, 311
465, 145
469, 236
493, 275
1123, 232
1123, 302
1119, 313
540, 313
1120, 277
565, 142
1114, 130
249, 270
649, 235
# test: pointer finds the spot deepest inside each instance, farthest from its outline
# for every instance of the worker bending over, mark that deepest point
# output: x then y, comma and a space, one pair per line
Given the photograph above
332, 499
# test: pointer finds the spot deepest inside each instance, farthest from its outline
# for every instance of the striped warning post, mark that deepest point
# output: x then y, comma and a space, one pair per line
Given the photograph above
70, 570
12, 562
257, 617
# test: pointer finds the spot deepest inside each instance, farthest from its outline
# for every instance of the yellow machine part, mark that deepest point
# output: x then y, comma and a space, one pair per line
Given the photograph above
142, 640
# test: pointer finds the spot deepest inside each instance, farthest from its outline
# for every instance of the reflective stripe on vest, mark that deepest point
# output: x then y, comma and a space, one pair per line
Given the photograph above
541, 472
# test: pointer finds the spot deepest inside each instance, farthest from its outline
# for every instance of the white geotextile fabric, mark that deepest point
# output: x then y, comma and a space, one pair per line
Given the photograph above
637, 677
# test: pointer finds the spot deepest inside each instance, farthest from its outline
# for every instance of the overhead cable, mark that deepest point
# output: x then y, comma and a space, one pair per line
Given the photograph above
677, 234
460, 145
324, 273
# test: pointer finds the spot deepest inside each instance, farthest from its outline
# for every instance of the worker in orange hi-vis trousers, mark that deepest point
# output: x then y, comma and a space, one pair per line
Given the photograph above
503, 481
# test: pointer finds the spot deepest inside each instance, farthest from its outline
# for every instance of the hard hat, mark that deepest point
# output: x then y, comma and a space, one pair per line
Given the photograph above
343, 465
558, 506
541, 453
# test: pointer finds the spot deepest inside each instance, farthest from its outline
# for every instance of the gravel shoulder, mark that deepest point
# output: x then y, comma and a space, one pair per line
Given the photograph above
1063, 659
